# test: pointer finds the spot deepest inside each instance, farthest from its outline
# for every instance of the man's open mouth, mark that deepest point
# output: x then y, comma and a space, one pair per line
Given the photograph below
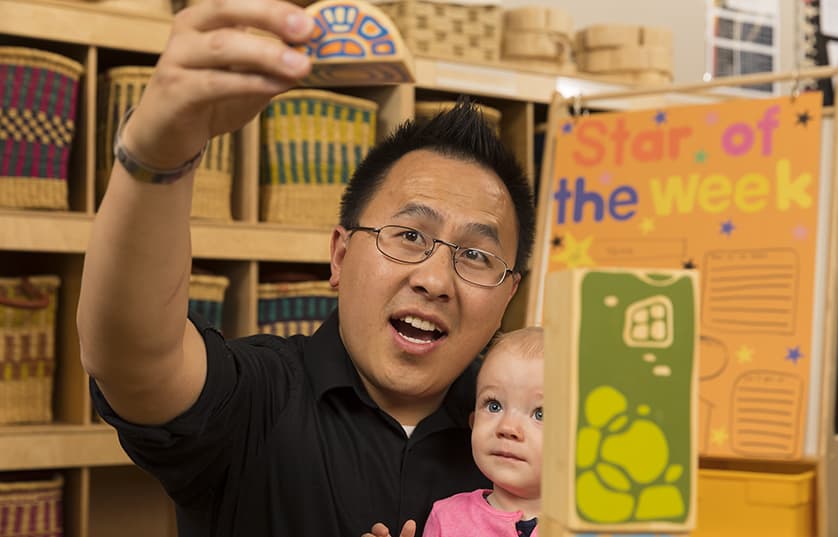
417, 330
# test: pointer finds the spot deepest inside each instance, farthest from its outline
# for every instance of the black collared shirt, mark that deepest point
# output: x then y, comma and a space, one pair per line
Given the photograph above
285, 441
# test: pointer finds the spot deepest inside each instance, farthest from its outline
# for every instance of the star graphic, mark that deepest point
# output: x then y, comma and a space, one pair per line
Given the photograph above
660, 117
712, 118
647, 225
804, 118
567, 128
745, 354
689, 264
719, 437
556, 242
575, 253
701, 156
800, 232
794, 354
605, 178
727, 227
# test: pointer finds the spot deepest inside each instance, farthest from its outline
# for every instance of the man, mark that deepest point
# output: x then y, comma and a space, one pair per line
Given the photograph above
367, 419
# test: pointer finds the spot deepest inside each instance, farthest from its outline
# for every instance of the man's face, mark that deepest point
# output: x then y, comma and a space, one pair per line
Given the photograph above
411, 329
506, 435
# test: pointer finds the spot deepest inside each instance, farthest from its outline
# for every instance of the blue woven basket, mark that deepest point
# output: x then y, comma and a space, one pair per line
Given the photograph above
206, 297
290, 308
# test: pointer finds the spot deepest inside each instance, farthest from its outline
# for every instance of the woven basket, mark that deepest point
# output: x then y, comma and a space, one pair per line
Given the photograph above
206, 296
426, 110
27, 355
120, 88
468, 30
289, 308
38, 103
31, 508
311, 142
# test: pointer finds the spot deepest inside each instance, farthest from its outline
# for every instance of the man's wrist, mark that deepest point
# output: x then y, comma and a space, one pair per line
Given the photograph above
146, 173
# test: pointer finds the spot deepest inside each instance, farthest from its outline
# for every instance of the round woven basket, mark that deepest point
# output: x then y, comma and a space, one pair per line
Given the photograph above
311, 143
425, 110
288, 308
120, 88
38, 103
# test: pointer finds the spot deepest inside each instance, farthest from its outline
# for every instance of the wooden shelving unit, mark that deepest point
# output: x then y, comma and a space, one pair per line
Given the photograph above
104, 493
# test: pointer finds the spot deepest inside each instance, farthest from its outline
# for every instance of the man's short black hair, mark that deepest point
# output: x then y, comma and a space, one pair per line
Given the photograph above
461, 133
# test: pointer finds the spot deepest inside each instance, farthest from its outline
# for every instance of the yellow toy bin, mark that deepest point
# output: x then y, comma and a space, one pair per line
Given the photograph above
735, 503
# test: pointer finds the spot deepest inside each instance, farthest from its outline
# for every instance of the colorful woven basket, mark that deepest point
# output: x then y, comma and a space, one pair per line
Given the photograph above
38, 106
425, 110
311, 143
289, 308
120, 88
27, 355
206, 296
31, 508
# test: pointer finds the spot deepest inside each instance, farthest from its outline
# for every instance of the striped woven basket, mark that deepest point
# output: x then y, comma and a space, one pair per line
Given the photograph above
38, 106
120, 88
289, 308
426, 110
311, 142
206, 296
27, 356
31, 508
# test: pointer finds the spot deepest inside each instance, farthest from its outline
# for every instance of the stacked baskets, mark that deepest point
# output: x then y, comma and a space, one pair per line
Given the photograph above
628, 53
311, 143
27, 356
120, 88
37, 125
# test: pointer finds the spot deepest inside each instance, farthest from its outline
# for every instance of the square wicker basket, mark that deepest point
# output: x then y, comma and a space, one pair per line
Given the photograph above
38, 105
311, 143
27, 357
30, 507
467, 30
206, 296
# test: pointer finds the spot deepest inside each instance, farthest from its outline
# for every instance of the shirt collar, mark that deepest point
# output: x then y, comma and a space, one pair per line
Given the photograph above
329, 367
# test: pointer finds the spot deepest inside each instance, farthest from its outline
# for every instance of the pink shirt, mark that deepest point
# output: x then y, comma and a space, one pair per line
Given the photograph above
470, 515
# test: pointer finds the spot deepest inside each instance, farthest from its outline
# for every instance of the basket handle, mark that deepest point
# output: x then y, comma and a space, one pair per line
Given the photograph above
37, 299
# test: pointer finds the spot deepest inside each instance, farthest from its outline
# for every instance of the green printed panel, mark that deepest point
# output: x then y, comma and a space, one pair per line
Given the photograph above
636, 358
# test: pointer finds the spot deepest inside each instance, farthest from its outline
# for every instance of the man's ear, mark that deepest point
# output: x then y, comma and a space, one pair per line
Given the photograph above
471, 420
337, 251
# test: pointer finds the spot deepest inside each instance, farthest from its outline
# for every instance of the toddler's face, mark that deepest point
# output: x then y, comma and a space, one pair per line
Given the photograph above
507, 429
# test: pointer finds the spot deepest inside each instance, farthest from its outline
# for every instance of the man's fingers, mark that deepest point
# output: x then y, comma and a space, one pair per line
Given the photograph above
409, 529
380, 530
237, 50
288, 22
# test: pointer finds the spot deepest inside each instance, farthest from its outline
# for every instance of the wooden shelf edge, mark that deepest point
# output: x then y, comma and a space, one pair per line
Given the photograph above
85, 23
67, 232
59, 446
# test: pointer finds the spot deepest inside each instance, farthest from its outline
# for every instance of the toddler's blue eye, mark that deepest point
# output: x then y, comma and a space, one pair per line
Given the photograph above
538, 414
493, 406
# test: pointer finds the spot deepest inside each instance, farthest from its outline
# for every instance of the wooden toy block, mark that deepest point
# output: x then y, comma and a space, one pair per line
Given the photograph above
620, 451
621, 35
355, 44
627, 58
540, 19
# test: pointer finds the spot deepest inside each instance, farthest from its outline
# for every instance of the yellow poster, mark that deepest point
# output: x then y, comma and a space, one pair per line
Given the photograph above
730, 190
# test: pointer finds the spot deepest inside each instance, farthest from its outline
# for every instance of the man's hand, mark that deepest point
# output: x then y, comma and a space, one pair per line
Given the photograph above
380, 530
214, 76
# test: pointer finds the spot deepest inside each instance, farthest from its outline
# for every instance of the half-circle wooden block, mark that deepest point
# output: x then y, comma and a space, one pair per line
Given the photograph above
355, 44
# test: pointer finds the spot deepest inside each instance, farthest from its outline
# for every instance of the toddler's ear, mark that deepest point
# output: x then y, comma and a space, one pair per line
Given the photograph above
471, 420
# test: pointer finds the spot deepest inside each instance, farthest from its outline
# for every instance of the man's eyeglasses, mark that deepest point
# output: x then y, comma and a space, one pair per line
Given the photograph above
408, 245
